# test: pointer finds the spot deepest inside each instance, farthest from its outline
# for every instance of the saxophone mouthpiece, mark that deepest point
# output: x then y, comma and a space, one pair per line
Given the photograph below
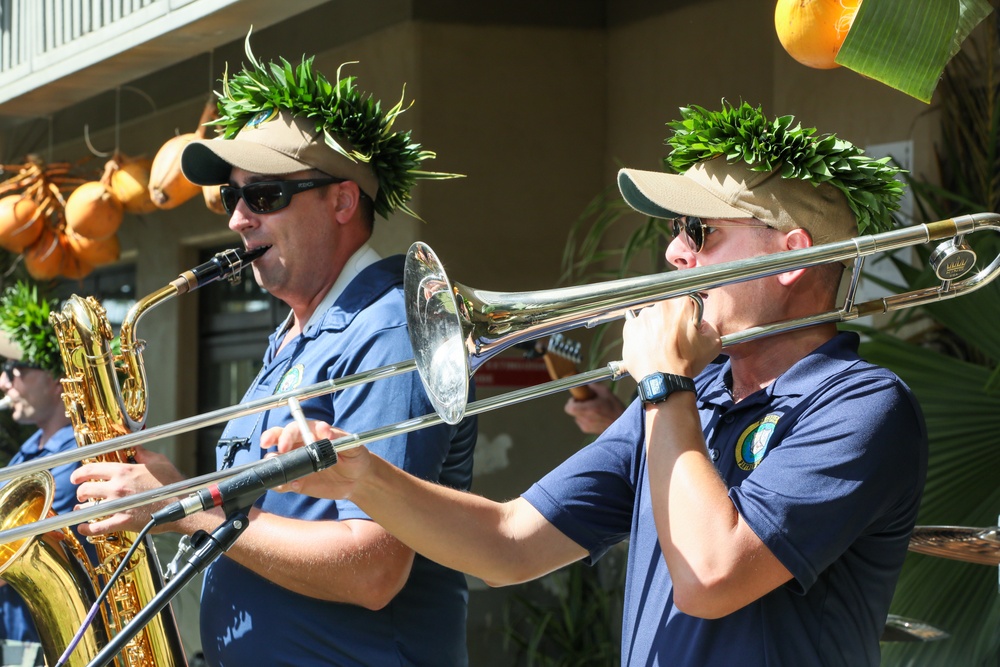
227, 265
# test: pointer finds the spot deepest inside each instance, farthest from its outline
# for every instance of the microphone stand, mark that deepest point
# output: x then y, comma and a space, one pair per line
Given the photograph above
206, 549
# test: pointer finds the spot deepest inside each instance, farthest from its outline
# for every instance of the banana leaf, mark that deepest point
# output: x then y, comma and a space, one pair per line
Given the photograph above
905, 44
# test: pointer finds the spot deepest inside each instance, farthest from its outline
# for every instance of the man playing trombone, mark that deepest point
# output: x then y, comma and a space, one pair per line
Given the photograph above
304, 165
768, 499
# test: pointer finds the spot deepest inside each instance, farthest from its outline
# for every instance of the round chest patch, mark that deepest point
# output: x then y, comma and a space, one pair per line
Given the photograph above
291, 379
752, 445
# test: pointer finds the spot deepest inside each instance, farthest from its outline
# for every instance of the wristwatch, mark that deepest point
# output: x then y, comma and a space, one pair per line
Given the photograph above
656, 387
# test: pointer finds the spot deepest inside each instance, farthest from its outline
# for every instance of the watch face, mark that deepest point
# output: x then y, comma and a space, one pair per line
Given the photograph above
655, 385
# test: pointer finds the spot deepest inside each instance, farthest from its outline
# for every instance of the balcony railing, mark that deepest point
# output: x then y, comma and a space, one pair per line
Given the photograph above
89, 45
34, 33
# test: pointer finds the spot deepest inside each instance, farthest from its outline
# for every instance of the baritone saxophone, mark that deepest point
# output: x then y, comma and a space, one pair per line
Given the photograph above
105, 396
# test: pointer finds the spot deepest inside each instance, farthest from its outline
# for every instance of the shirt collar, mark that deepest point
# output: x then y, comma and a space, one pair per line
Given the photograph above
833, 356
364, 257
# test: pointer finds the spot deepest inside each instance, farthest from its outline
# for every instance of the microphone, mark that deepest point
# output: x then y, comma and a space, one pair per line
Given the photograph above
240, 491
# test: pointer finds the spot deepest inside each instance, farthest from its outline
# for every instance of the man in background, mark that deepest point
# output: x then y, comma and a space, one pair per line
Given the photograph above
30, 382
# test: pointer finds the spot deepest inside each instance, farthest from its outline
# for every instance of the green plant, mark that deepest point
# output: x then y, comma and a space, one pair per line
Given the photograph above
951, 365
24, 316
570, 618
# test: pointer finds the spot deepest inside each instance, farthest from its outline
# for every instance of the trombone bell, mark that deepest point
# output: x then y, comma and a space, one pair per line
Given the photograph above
437, 335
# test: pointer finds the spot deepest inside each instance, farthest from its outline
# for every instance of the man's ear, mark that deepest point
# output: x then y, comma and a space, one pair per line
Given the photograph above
347, 199
794, 240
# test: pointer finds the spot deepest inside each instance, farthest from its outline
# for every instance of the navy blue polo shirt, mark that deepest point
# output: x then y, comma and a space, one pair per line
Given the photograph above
246, 619
826, 465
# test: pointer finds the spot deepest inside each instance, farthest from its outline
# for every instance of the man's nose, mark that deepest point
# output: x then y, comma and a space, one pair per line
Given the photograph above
680, 254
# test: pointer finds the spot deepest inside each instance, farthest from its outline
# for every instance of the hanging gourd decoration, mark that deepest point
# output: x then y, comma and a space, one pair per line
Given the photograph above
92, 252
128, 180
812, 31
44, 258
20, 222
168, 187
92, 211
213, 199
74, 266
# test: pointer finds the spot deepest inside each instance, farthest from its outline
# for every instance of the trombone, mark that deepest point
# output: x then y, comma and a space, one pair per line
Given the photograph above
454, 329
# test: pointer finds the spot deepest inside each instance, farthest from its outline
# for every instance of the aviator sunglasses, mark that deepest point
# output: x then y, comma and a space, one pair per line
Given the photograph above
695, 230
269, 196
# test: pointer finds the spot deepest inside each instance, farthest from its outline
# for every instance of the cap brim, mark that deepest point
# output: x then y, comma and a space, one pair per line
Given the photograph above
8, 348
672, 195
210, 161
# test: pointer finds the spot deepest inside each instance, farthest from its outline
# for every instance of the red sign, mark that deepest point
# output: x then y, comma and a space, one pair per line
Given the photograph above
511, 372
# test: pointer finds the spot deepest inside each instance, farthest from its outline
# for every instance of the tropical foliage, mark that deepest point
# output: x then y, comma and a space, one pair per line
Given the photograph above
951, 365
570, 618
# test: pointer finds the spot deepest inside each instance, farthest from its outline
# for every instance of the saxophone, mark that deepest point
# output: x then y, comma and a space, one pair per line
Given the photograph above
100, 407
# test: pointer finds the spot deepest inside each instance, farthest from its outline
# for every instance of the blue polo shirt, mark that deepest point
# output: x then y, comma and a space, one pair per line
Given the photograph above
826, 465
246, 619
15, 621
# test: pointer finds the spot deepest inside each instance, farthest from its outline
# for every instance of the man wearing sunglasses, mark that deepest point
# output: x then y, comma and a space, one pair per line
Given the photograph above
316, 582
768, 499
30, 385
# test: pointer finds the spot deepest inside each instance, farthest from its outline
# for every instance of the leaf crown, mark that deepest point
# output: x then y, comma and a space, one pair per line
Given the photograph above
743, 133
339, 109
25, 318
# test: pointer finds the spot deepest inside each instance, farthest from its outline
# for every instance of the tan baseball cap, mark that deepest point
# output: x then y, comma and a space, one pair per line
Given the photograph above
718, 189
273, 142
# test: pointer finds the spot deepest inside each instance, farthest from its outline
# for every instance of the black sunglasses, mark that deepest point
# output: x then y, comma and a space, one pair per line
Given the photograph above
695, 230
269, 196
12, 366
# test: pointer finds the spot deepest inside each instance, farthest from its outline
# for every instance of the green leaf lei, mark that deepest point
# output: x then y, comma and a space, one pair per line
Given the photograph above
25, 318
743, 133
339, 109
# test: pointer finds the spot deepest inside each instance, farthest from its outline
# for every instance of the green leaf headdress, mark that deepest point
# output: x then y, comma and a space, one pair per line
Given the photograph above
25, 318
339, 109
743, 134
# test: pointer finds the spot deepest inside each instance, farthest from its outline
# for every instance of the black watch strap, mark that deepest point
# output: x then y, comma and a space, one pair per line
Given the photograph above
656, 387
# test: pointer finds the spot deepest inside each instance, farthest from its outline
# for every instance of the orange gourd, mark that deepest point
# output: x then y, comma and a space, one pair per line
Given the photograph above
73, 266
128, 180
213, 199
20, 222
812, 31
168, 187
93, 252
43, 259
92, 211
